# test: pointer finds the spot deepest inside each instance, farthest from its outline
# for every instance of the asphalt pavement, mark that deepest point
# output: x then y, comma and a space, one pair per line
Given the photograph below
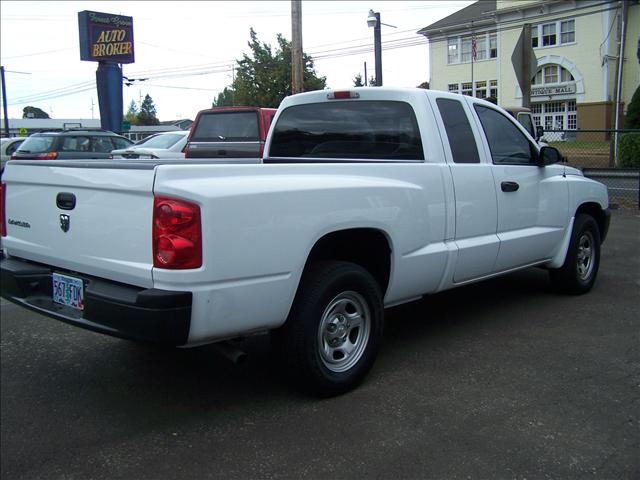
499, 380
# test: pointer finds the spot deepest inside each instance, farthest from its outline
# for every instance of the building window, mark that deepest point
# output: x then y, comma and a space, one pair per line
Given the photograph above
548, 34
481, 89
467, 89
545, 35
493, 90
454, 88
459, 49
452, 50
567, 31
466, 50
552, 74
481, 47
493, 45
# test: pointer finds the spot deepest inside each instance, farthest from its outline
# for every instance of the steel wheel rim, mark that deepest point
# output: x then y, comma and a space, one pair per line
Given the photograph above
586, 255
344, 331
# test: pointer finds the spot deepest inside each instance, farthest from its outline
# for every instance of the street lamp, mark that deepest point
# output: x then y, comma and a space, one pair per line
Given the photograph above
373, 20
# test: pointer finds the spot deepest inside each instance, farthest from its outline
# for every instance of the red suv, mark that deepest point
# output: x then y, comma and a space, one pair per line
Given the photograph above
229, 132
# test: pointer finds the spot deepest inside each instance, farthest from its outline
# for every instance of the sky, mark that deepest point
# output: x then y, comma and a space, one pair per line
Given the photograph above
186, 50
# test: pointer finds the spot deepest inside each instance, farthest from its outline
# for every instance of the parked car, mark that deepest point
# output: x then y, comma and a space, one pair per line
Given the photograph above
160, 145
69, 144
230, 132
7, 147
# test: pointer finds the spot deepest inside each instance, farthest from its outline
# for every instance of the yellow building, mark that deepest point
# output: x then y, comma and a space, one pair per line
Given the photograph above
576, 45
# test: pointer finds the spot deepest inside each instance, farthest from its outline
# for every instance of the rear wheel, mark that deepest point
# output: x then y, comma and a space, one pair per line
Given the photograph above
333, 332
580, 269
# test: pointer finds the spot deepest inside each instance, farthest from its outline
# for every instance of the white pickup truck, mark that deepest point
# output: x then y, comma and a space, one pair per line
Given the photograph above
365, 199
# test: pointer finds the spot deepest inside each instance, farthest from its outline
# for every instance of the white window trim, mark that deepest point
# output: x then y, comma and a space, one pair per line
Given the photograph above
487, 39
558, 24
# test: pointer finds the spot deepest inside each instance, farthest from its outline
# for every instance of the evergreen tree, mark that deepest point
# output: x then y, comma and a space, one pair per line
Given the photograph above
264, 77
147, 115
357, 81
424, 85
225, 98
372, 81
132, 114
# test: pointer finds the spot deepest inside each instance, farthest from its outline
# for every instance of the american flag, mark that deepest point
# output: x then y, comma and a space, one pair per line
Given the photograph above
474, 48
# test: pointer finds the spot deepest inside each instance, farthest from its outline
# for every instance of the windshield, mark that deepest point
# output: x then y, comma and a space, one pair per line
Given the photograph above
227, 127
162, 141
37, 144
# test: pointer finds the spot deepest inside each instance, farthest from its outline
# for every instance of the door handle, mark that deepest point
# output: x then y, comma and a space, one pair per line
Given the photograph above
509, 186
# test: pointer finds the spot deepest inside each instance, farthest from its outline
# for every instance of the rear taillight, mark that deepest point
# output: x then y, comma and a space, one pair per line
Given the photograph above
3, 202
13, 156
47, 156
177, 234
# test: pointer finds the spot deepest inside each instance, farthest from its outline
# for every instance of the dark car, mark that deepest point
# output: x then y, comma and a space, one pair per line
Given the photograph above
230, 132
69, 144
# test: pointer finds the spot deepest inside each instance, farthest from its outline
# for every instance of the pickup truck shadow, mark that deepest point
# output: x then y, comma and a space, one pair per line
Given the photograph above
142, 385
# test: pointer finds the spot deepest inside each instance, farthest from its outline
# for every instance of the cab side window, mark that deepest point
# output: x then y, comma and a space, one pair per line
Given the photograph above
507, 143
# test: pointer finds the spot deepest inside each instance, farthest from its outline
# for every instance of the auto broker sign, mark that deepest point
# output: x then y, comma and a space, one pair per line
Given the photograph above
105, 37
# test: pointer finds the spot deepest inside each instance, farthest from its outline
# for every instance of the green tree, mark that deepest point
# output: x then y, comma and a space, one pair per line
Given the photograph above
225, 98
632, 119
132, 114
357, 81
424, 85
264, 77
34, 112
372, 81
147, 115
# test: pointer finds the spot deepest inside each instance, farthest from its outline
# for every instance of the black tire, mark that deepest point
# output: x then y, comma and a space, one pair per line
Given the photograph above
334, 330
580, 269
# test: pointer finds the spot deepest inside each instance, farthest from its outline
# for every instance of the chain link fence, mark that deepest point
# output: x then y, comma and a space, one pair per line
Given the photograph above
595, 153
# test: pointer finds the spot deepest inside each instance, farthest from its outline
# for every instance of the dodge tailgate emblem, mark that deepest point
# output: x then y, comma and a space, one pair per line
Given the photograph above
64, 222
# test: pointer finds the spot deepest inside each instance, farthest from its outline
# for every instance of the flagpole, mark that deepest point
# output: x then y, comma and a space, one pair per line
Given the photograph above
473, 56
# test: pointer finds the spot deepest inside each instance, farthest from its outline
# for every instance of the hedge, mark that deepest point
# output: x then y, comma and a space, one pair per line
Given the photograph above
630, 150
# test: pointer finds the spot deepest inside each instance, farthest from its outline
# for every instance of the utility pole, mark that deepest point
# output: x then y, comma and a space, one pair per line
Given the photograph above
4, 104
4, 98
377, 41
365, 74
297, 79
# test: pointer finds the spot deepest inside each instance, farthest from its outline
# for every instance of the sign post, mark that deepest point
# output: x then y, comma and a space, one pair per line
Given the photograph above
107, 39
524, 63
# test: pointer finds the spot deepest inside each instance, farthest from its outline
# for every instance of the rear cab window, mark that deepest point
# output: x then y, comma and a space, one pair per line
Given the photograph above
361, 129
227, 127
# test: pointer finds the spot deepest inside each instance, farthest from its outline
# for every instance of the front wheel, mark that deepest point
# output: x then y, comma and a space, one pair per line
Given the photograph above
578, 273
334, 330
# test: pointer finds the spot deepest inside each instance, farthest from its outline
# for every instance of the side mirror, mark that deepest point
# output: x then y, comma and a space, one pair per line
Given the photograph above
549, 156
539, 132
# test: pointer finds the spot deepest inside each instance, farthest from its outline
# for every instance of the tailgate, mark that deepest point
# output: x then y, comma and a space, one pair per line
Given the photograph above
107, 233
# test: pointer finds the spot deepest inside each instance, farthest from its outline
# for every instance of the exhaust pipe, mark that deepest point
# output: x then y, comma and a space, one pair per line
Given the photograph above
230, 352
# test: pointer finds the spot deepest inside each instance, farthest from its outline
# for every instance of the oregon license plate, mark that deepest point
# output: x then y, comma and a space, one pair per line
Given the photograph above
68, 291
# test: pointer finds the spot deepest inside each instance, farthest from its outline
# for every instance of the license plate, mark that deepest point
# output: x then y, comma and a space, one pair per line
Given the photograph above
68, 291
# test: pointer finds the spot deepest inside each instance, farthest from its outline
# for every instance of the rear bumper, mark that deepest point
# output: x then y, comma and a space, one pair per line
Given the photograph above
125, 311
